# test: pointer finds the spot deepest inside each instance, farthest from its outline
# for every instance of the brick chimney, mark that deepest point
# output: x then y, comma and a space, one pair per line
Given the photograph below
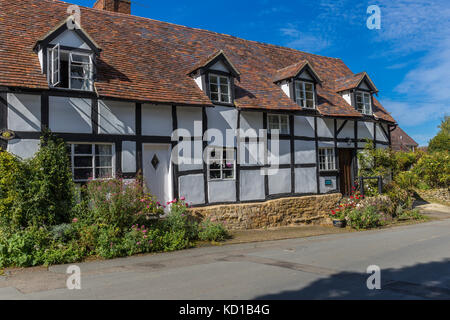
122, 6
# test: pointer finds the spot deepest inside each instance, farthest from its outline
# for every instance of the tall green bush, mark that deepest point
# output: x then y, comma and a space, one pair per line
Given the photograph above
441, 142
434, 169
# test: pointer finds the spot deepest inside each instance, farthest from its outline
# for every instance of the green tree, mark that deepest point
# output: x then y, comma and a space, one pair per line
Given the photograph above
442, 140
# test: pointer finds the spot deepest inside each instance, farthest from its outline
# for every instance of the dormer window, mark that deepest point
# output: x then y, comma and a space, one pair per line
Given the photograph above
215, 75
305, 95
219, 88
70, 69
363, 102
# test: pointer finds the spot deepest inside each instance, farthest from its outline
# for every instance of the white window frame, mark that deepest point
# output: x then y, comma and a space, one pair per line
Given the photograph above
54, 65
222, 161
276, 125
54, 68
299, 88
327, 159
89, 77
366, 107
219, 88
93, 155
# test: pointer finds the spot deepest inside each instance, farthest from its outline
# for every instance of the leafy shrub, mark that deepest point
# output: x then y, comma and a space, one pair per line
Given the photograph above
382, 203
407, 180
434, 169
364, 218
399, 197
441, 142
118, 204
413, 214
212, 231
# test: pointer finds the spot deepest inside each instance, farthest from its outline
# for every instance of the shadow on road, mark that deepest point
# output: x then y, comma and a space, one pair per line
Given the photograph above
421, 281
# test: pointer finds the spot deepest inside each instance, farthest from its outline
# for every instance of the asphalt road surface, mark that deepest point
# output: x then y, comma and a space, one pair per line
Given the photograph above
414, 262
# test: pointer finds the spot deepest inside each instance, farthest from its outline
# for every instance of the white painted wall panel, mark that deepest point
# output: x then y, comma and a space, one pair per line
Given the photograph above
251, 120
128, 156
70, 39
24, 112
326, 189
305, 180
222, 191
365, 130
156, 120
252, 185
281, 182
281, 153
347, 97
23, 148
325, 128
70, 115
219, 66
190, 155
222, 119
116, 117
191, 187
348, 131
304, 126
305, 152
187, 116
285, 87
380, 134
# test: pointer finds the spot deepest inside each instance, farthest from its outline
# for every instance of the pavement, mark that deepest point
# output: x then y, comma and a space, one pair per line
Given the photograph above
414, 262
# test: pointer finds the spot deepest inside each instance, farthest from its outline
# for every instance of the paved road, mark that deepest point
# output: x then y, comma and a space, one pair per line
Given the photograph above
415, 263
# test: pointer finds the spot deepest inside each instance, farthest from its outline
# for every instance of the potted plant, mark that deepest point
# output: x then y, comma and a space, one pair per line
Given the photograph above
338, 216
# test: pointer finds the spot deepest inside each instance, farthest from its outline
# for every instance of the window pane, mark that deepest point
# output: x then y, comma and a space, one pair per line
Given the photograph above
228, 174
224, 89
214, 97
223, 80
103, 149
225, 98
308, 86
215, 166
82, 174
78, 58
103, 161
85, 162
310, 104
213, 79
214, 174
83, 149
103, 173
214, 88
309, 96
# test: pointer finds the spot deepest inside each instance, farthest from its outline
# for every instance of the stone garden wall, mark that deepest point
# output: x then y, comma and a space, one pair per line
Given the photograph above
274, 213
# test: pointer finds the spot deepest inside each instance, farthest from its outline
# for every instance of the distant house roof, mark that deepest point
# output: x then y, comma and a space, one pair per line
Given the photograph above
148, 60
401, 141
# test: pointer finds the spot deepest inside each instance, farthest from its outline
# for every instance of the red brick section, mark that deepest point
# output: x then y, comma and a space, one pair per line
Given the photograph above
148, 60
401, 141
122, 6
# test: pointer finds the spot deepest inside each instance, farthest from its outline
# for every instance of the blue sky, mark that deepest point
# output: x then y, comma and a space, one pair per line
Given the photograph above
408, 58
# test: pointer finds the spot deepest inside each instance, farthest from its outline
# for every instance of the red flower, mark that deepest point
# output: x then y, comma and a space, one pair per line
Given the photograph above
333, 212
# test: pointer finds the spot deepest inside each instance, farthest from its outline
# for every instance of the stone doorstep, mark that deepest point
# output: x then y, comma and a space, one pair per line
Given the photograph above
302, 210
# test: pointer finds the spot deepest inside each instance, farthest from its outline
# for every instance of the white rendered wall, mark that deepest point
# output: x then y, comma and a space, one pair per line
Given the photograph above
222, 191
252, 185
191, 187
305, 180
190, 155
24, 112
251, 120
116, 117
348, 132
70, 115
365, 130
221, 119
70, 39
187, 116
281, 153
347, 97
325, 128
285, 87
326, 189
304, 126
128, 156
380, 134
305, 152
156, 120
23, 148
281, 182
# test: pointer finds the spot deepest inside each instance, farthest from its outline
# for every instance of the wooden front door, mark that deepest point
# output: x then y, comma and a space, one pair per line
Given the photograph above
345, 171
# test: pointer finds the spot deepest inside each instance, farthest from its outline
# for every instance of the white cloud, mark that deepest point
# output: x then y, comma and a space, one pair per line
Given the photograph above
310, 42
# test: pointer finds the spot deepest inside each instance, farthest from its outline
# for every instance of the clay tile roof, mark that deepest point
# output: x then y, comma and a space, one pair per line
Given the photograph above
401, 141
352, 82
204, 62
149, 61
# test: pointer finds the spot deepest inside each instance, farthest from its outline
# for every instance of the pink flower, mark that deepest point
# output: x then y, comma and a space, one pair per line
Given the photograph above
144, 231
142, 200
182, 198
74, 220
138, 243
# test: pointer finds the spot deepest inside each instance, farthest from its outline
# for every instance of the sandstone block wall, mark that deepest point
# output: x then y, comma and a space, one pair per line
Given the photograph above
273, 213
